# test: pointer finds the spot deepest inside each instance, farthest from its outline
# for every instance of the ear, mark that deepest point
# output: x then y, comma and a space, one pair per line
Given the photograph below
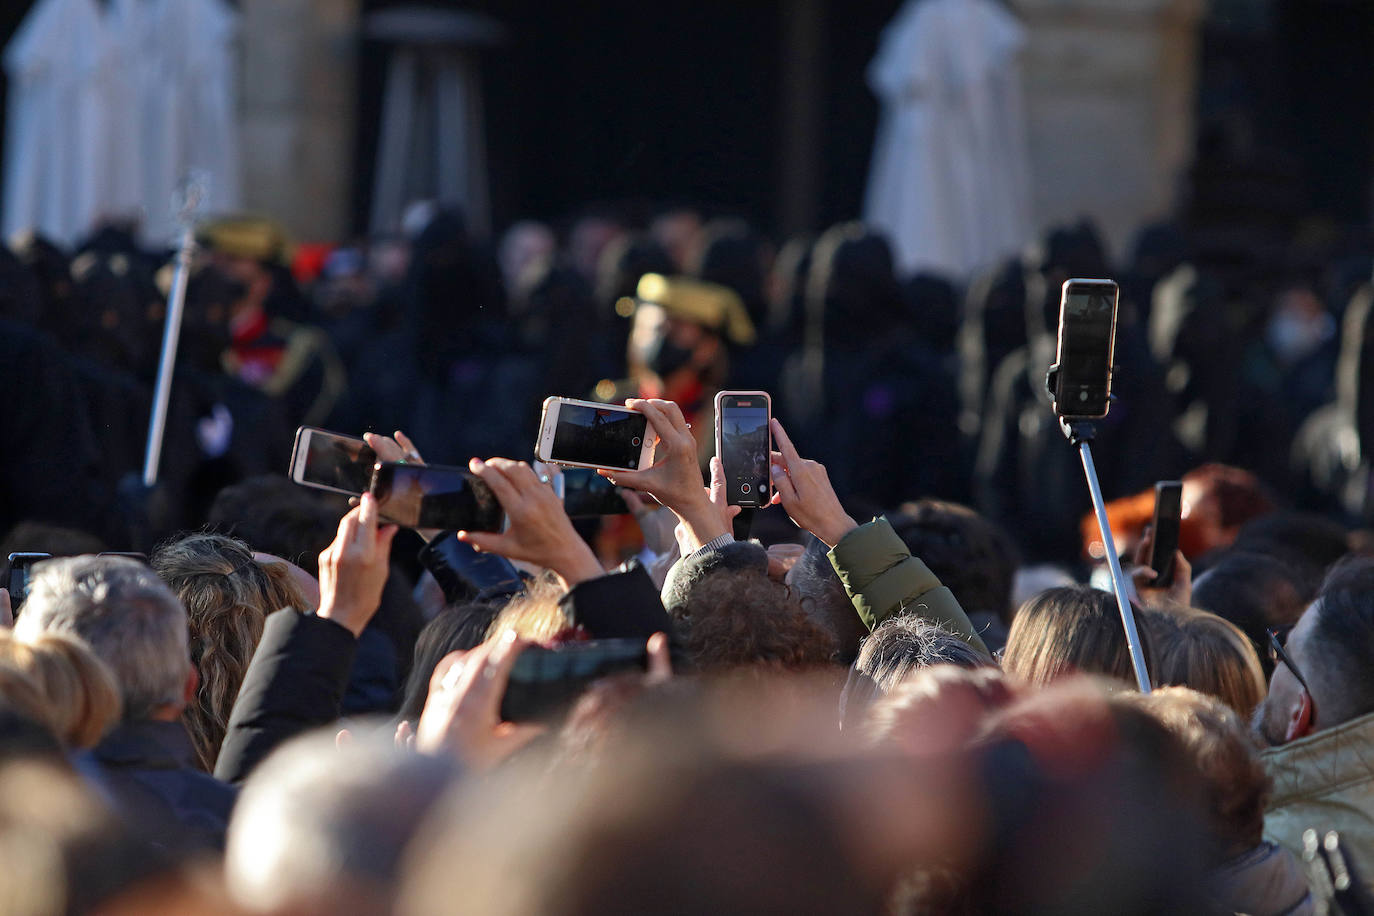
188, 691
1299, 718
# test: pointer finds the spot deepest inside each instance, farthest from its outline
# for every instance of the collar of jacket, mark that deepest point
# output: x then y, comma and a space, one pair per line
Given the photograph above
147, 745
1267, 879
1326, 761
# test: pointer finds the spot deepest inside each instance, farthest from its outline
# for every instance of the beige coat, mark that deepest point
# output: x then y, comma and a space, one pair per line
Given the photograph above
1326, 782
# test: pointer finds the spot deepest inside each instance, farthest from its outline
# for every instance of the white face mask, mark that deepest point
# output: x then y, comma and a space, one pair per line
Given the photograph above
1293, 337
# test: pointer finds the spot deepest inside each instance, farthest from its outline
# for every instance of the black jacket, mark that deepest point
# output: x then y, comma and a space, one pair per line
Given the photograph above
148, 769
294, 683
622, 605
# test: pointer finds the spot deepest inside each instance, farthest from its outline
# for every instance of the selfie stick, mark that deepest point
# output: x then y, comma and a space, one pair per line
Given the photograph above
1080, 433
171, 332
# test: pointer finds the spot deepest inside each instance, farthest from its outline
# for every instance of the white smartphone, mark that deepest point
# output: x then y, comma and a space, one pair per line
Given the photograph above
585, 434
743, 442
332, 461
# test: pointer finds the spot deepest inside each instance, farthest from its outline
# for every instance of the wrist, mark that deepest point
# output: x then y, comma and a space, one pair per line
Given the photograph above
832, 531
702, 525
344, 615
578, 566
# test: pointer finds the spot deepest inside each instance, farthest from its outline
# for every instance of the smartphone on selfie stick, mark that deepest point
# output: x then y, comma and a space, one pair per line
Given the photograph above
1080, 388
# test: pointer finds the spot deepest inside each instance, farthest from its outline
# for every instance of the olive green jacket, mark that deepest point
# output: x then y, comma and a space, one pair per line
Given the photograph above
1325, 781
883, 579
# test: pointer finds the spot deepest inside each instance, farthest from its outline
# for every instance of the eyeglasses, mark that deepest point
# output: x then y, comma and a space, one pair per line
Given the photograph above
1278, 636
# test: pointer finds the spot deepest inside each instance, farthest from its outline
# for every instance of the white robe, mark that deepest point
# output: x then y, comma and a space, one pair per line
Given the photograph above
950, 182
110, 107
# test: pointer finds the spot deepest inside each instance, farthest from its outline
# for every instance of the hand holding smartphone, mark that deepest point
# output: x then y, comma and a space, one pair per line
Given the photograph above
332, 461
1165, 530
433, 496
590, 435
744, 442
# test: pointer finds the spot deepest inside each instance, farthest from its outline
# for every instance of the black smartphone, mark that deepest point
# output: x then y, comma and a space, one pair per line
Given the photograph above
546, 681
1168, 514
1087, 343
432, 496
743, 442
18, 575
587, 494
331, 461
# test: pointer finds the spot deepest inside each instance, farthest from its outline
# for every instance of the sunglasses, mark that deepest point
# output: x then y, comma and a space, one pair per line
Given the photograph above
1278, 637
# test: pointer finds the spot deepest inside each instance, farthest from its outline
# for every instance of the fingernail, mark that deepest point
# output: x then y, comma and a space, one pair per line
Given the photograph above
476, 464
509, 637
775, 470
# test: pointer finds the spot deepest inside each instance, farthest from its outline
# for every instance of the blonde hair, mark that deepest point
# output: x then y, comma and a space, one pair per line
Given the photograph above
227, 595
1208, 653
535, 614
79, 691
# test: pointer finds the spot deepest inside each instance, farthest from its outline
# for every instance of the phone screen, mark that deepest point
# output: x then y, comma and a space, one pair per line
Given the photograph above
20, 573
607, 437
1086, 324
586, 493
1168, 512
744, 445
429, 496
337, 462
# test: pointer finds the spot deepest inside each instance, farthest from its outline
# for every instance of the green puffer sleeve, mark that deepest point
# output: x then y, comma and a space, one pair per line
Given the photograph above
883, 579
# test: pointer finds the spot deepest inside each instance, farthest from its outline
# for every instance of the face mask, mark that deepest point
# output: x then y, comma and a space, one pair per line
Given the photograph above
663, 357
1292, 337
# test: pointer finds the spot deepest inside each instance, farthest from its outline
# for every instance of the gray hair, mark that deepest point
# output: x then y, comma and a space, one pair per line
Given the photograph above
126, 614
321, 826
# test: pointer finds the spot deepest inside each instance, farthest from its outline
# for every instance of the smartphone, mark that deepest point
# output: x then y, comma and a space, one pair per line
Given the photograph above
1168, 514
587, 494
585, 434
1087, 342
544, 682
332, 461
18, 576
433, 496
743, 442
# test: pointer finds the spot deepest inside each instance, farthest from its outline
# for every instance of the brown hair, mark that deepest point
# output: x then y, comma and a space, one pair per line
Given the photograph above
78, 689
1070, 629
227, 595
1208, 653
741, 618
1235, 783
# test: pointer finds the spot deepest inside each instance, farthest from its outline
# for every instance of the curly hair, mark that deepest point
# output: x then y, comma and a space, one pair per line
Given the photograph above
741, 618
227, 595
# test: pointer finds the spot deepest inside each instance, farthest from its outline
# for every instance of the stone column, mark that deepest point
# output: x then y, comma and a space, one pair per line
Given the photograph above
1110, 95
297, 110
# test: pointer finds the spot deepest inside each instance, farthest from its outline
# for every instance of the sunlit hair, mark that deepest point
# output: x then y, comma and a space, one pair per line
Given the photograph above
535, 614
79, 689
1236, 785
126, 614
227, 595
936, 709
1070, 629
1209, 654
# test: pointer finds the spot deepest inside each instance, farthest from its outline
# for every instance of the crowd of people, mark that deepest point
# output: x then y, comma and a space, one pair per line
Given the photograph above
901, 688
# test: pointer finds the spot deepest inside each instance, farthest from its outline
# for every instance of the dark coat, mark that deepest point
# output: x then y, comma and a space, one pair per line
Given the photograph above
148, 770
294, 683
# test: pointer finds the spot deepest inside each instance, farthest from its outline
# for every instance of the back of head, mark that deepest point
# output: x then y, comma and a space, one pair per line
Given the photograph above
972, 556
938, 709
1340, 642
41, 537
452, 629
128, 617
1254, 591
1210, 655
1308, 541
898, 648
227, 595
320, 828
1066, 630
78, 689
1216, 739
276, 517
813, 579
732, 615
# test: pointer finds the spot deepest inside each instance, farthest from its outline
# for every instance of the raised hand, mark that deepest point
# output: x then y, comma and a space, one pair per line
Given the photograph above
1179, 592
398, 447
674, 479
540, 531
462, 715
803, 488
353, 569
